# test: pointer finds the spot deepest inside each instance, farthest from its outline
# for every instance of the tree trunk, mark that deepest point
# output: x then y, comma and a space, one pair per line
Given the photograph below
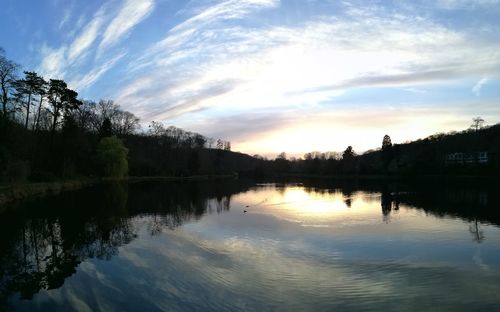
4, 100
28, 111
37, 120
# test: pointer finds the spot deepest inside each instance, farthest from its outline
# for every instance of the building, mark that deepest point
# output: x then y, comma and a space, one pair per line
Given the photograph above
462, 158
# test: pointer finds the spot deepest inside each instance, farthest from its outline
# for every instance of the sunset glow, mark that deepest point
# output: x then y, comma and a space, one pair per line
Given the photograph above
275, 76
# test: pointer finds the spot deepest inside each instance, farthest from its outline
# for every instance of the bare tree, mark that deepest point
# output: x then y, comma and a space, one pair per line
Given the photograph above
107, 109
210, 142
220, 144
156, 129
124, 123
8, 71
477, 123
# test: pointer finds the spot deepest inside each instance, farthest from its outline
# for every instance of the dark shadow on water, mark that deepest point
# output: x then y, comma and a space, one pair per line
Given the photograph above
42, 242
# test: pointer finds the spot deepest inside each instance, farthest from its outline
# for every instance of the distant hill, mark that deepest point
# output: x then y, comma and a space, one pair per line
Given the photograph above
466, 152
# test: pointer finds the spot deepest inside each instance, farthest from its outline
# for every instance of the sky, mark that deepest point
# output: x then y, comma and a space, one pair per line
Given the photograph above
272, 76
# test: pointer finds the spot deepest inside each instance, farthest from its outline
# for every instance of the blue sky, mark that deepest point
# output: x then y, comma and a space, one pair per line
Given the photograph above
271, 75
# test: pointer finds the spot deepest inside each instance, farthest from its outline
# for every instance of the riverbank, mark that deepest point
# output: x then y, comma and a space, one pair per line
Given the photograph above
19, 192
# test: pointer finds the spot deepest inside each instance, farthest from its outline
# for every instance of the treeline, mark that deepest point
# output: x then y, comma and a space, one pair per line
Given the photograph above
429, 156
47, 133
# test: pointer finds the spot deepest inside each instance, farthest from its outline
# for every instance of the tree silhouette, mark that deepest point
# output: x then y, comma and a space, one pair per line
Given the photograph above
477, 123
125, 123
62, 100
348, 153
41, 89
220, 144
8, 71
386, 143
27, 88
106, 129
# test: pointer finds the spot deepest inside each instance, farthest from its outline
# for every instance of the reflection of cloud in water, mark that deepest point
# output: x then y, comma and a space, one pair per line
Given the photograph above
283, 255
182, 270
314, 209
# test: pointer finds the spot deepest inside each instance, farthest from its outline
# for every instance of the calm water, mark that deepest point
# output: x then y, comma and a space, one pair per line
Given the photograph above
299, 246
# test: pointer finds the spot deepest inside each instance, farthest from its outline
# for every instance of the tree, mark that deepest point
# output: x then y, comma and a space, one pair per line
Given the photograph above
210, 142
227, 146
125, 123
41, 90
156, 129
387, 152
112, 156
27, 88
477, 123
199, 141
106, 129
62, 101
8, 71
348, 153
107, 109
220, 144
386, 143
281, 155
86, 117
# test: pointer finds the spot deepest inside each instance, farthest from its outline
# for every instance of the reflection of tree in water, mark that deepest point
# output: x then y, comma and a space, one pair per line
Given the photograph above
43, 242
168, 208
475, 230
39, 252
472, 201
468, 204
388, 202
347, 193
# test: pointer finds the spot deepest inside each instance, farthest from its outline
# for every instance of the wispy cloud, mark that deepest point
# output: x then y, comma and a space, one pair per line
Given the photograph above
130, 14
86, 37
479, 85
82, 82
224, 59
461, 4
53, 61
67, 12
276, 66
72, 61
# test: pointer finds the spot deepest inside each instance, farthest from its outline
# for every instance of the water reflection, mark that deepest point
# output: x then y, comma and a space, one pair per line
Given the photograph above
43, 242
294, 232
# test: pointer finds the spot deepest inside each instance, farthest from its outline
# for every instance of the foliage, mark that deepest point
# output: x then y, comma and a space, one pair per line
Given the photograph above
112, 156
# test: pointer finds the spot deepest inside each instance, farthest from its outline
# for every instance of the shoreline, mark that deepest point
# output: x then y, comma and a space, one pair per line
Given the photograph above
25, 191
375, 177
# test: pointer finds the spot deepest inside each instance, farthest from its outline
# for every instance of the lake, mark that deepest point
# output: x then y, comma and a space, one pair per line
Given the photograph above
229, 245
